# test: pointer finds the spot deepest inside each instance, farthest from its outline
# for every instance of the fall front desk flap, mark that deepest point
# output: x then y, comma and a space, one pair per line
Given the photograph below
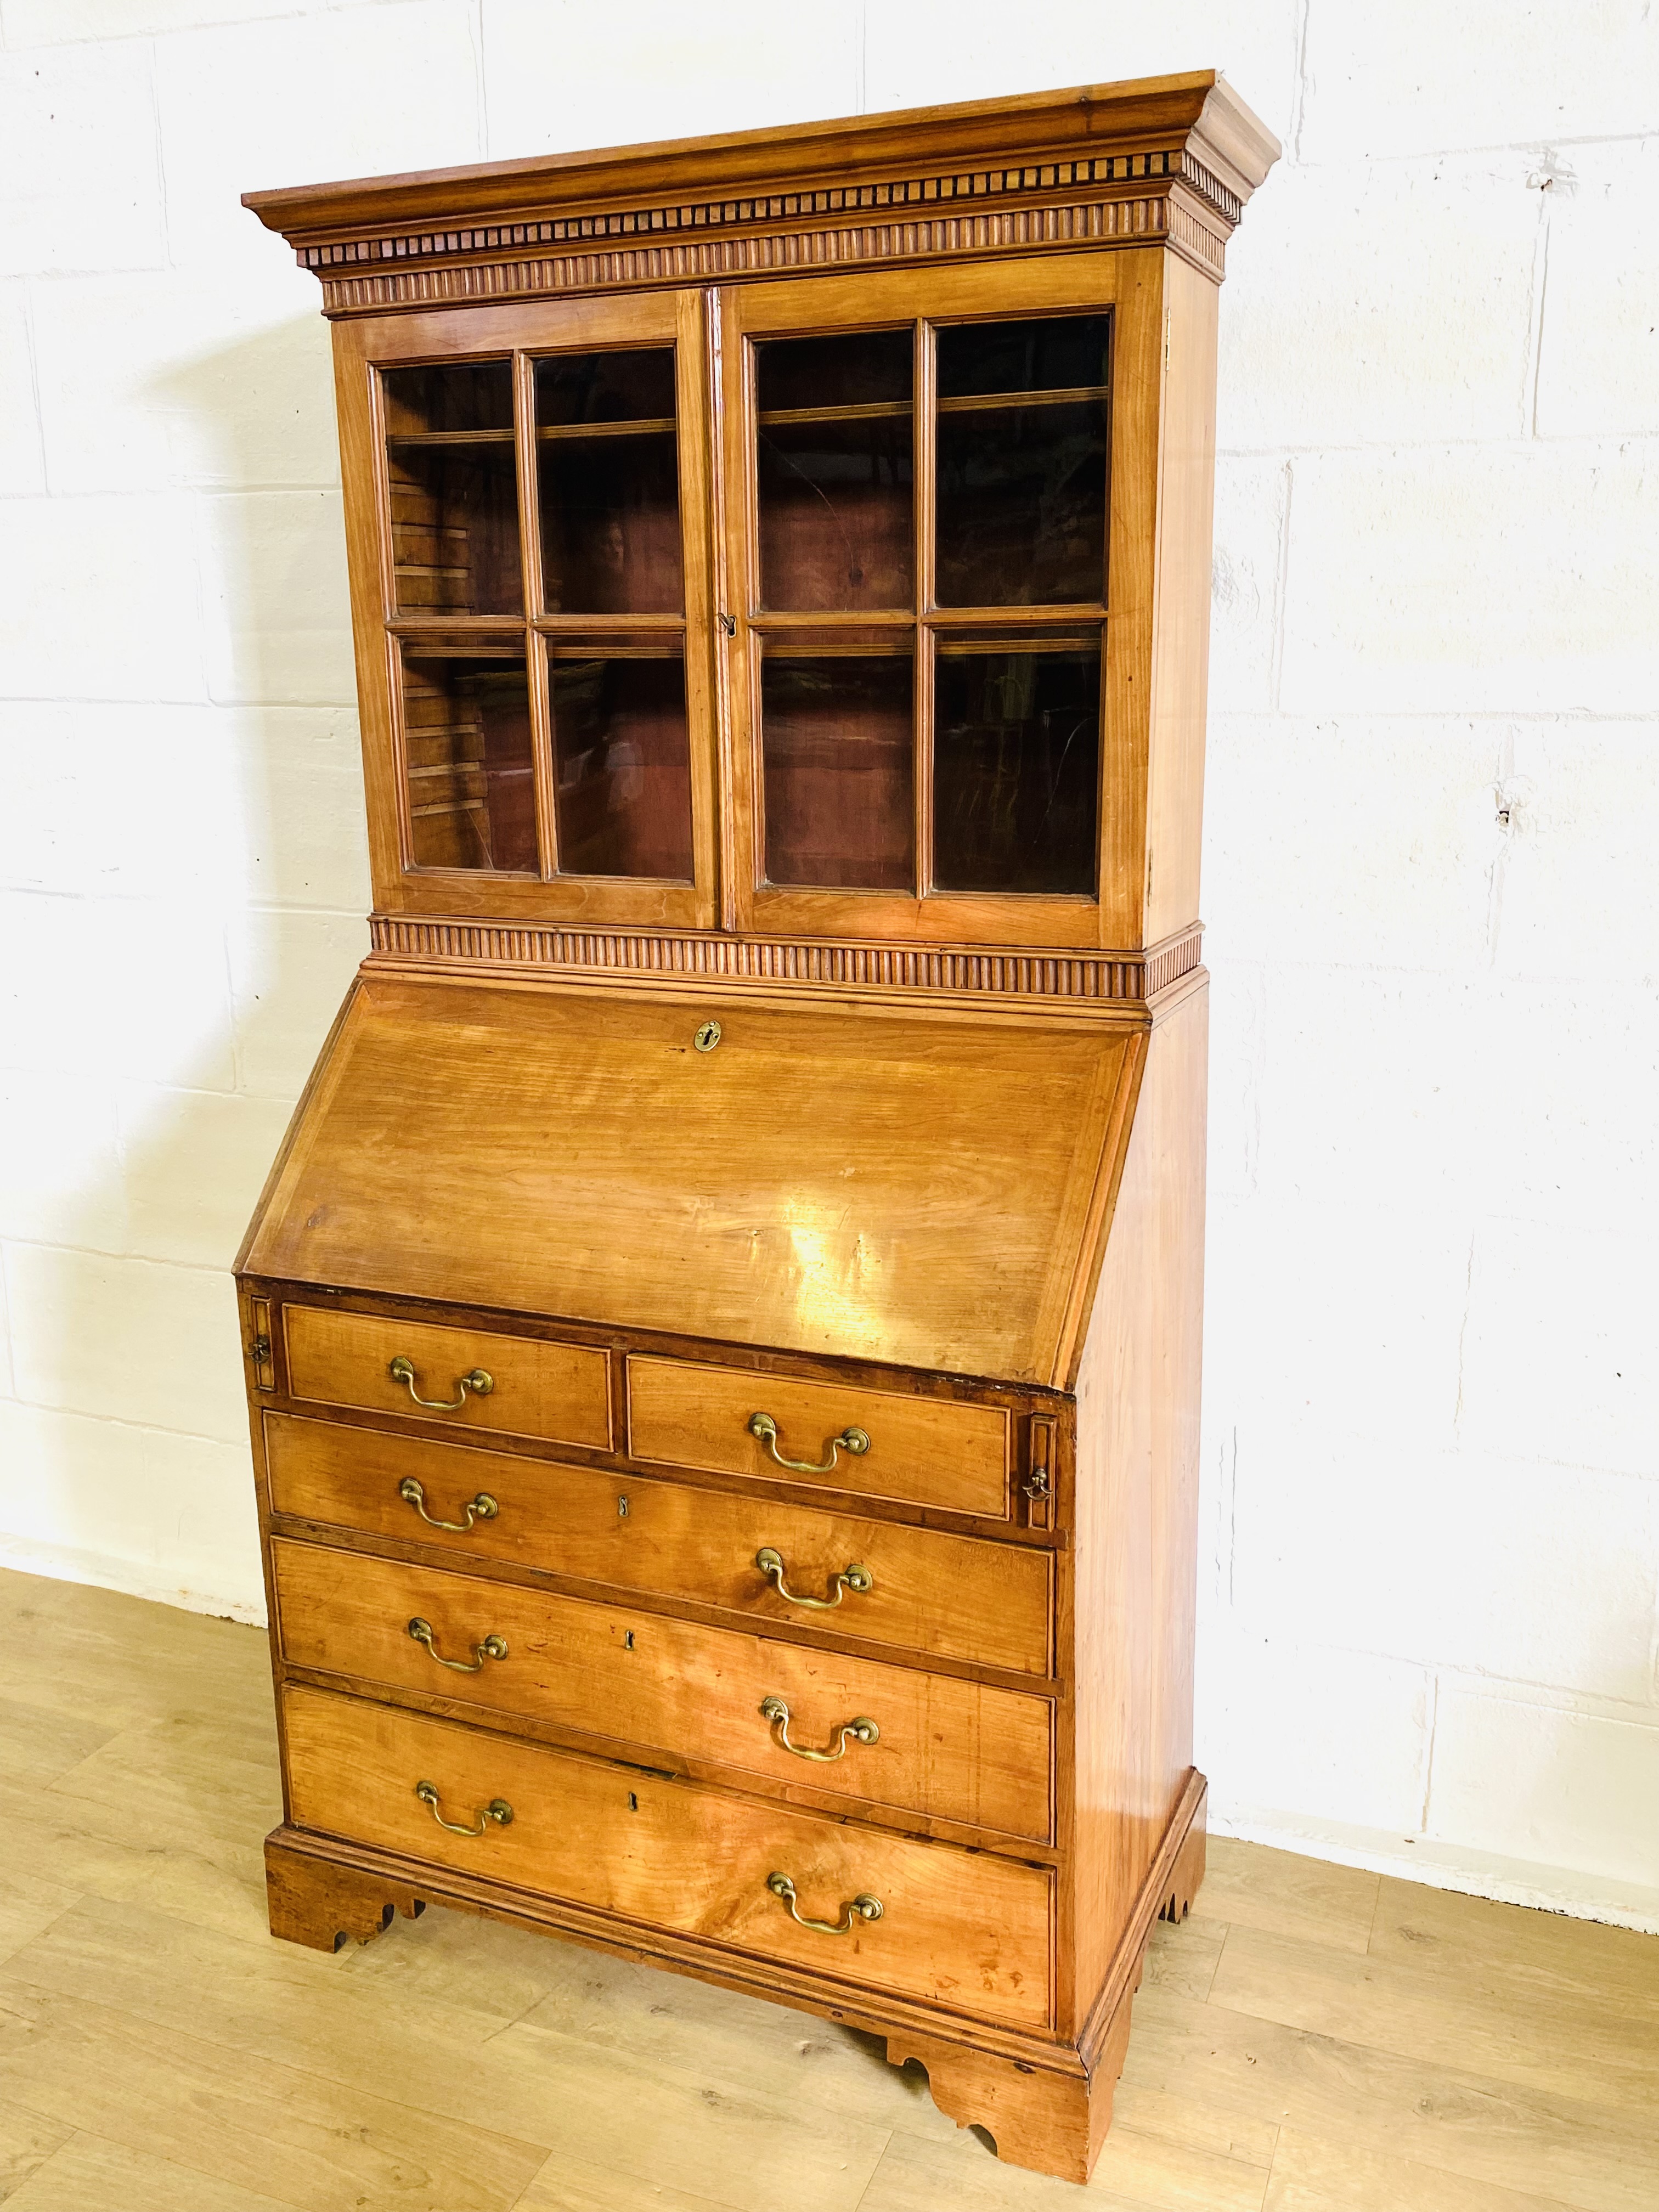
866, 1184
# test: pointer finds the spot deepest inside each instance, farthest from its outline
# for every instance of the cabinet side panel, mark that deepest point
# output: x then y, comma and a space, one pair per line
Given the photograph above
360, 468
1136, 1499
1181, 652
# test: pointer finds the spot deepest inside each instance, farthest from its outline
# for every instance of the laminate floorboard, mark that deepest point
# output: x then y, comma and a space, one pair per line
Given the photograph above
1313, 2040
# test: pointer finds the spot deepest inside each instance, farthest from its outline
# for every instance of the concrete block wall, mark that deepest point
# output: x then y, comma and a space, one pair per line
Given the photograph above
1430, 1586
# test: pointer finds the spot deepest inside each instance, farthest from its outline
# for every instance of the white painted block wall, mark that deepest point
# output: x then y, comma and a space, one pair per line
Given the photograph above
1430, 1570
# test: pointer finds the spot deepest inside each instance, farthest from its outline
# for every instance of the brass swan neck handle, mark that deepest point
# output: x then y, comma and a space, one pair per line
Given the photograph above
763, 1426
491, 1647
480, 1382
482, 1507
856, 1731
497, 1810
854, 1577
856, 1908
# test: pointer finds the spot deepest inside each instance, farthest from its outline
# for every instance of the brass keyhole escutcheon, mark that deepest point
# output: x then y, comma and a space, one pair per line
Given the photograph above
708, 1036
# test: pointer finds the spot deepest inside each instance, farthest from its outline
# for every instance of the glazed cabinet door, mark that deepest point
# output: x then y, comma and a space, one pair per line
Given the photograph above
528, 506
938, 491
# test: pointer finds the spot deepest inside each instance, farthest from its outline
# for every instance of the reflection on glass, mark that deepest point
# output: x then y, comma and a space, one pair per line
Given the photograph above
624, 773
1021, 462
608, 484
834, 459
1016, 770
466, 735
453, 488
836, 747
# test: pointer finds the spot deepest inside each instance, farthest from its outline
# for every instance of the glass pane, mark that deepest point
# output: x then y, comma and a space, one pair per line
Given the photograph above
635, 387
453, 490
836, 744
1016, 770
609, 481
862, 369
462, 399
834, 467
1022, 463
1051, 353
467, 732
624, 787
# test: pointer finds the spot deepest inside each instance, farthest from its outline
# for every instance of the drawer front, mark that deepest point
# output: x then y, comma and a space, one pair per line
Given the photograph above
559, 1391
942, 1746
928, 1451
957, 1927
949, 1597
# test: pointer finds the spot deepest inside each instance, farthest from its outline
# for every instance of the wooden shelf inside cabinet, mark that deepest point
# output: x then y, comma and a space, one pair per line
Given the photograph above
449, 437
735, 1271
656, 428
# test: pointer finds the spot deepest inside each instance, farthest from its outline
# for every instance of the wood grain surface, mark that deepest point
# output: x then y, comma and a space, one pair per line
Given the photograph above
945, 1596
666, 1689
899, 1188
930, 1452
557, 1391
964, 1931
1135, 1553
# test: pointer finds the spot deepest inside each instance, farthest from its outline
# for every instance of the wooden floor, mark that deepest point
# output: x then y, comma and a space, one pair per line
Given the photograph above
1313, 2040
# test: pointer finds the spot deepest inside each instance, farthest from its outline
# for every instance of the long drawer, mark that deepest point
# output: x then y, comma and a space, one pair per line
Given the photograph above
950, 1597
891, 1736
954, 1927
875, 1443
523, 1386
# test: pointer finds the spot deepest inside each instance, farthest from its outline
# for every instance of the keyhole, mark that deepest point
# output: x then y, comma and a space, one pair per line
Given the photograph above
628, 1639
621, 1509
708, 1036
632, 1802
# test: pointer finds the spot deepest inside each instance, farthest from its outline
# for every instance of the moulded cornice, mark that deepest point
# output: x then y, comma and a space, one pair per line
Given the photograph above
1106, 164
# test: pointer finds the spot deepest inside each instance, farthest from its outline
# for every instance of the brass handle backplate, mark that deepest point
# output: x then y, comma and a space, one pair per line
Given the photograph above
854, 1577
856, 1908
480, 1382
493, 1647
482, 1507
763, 1426
857, 1731
497, 1810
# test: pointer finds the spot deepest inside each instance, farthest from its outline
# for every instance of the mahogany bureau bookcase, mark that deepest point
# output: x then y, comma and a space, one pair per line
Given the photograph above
722, 1333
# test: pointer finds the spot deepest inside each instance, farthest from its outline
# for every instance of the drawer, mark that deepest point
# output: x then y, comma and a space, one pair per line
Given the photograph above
559, 1391
945, 1596
928, 1451
942, 1746
958, 1928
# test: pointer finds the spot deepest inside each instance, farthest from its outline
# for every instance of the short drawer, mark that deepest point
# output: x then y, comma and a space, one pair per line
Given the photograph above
944, 1596
535, 1388
889, 1735
967, 1930
928, 1451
